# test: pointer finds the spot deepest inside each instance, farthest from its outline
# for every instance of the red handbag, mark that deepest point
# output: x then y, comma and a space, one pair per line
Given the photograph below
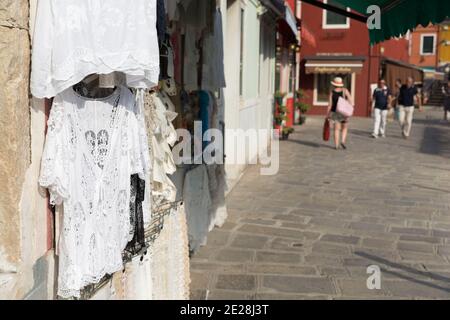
326, 130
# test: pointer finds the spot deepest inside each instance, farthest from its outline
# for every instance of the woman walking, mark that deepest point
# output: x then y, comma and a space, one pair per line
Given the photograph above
340, 121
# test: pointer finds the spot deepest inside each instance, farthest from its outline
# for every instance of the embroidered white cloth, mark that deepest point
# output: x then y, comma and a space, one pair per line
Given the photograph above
138, 283
197, 205
217, 187
92, 148
170, 259
162, 136
76, 38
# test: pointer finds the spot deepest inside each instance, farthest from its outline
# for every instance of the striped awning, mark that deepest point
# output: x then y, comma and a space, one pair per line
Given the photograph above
334, 64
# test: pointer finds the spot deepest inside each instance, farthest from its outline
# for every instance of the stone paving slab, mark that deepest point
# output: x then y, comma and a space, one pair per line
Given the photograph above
311, 231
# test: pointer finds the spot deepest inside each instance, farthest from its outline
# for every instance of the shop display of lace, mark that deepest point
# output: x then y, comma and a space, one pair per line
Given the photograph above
170, 251
170, 259
162, 136
137, 196
73, 39
92, 149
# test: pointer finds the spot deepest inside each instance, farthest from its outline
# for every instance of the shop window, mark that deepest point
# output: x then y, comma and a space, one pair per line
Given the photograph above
322, 86
291, 78
278, 76
332, 20
427, 44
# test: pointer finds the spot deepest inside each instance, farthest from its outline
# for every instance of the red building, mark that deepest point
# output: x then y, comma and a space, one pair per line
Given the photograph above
334, 45
287, 55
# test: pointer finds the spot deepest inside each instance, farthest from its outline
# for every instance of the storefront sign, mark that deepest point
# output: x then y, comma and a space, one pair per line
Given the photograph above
330, 70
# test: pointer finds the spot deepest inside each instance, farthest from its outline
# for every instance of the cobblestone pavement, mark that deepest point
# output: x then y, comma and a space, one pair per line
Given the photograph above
311, 231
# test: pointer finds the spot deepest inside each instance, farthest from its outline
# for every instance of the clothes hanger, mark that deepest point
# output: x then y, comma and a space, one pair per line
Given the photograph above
90, 87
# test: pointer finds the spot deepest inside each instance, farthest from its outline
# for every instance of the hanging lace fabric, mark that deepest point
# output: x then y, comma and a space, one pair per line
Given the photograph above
92, 149
137, 231
73, 39
170, 259
169, 253
162, 136
213, 70
197, 199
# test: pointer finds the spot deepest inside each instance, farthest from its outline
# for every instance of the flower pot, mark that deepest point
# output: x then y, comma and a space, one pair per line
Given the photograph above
302, 119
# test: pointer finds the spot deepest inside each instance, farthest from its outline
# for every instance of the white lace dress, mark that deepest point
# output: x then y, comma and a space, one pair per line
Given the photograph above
197, 201
92, 148
76, 38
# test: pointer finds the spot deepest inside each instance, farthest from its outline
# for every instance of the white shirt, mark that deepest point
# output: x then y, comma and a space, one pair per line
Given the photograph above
91, 150
76, 38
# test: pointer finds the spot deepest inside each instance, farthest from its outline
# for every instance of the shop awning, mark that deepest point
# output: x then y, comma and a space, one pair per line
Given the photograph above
397, 16
291, 20
431, 74
400, 16
334, 64
287, 22
277, 6
394, 69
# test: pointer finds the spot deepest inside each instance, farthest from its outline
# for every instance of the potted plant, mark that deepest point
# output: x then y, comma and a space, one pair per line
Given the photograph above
301, 106
285, 132
280, 119
279, 96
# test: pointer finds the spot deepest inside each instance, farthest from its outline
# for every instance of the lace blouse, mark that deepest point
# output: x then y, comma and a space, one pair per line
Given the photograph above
92, 149
76, 38
162, 136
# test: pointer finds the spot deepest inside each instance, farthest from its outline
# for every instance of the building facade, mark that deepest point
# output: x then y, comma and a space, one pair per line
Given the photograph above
443, 48
329, 49
424, 47
287, 59
250, 41
27, 242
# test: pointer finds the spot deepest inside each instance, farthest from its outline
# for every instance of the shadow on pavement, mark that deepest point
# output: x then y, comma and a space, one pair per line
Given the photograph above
429, 188
361, 133
310, 144
414, 272
436, 141
436, 168
433, 122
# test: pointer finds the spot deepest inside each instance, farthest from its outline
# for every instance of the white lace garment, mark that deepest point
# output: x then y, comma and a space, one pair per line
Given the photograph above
92, 148
162, 136
76, 38
197, 202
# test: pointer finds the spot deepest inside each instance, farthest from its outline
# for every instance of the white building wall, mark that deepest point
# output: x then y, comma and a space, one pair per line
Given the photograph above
252, 109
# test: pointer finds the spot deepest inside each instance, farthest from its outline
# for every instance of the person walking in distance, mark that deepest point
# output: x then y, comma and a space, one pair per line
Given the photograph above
381, 100
340, 121
446, 92
396, 102
408, 92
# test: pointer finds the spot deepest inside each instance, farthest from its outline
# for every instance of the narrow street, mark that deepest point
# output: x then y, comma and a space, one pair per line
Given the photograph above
311, 231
